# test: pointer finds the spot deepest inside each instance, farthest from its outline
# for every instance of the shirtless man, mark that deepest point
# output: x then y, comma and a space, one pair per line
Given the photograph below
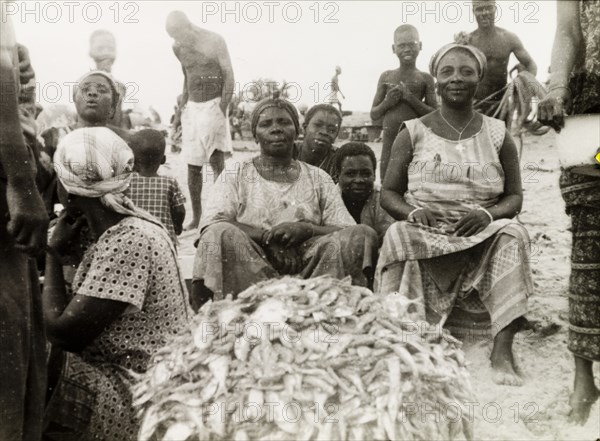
403, 93
103, 50
207, 90
497, 44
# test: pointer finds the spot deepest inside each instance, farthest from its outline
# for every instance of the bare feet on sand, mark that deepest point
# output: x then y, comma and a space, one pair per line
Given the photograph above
581, 401
585, 393
505, 371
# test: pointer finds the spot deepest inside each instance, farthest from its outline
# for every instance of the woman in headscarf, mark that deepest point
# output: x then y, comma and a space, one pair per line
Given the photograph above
128, 298
454, 185
575, 87
275, 215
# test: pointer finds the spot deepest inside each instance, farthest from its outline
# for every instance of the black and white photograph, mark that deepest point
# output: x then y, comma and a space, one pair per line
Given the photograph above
300, 220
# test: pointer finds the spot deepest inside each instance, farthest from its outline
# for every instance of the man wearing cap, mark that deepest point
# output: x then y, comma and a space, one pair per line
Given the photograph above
207, 91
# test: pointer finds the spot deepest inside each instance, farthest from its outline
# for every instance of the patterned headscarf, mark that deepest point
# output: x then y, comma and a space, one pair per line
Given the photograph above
274, 102
477, 54
96, 163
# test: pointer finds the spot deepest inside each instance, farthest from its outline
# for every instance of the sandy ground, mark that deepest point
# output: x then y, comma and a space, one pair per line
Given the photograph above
537, 410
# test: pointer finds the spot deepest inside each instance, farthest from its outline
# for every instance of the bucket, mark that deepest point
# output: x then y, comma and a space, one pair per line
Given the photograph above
579, 141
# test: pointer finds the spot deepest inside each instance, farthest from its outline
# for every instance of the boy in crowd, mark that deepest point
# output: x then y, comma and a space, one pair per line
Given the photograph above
356, 164
404, 93
158, 195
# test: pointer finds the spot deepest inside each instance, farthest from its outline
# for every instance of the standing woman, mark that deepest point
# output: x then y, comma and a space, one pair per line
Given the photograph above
575, 86
454, 183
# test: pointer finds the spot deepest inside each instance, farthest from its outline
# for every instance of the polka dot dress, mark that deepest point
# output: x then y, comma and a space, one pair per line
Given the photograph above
133, 263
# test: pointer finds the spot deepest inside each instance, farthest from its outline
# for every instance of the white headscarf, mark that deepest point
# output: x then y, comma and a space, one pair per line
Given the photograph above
96, 163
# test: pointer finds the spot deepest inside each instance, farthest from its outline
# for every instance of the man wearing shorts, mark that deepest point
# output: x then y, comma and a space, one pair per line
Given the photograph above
207, 91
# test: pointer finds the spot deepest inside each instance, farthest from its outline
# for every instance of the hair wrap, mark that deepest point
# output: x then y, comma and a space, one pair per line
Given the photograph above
96, 163
274, 102
477, 54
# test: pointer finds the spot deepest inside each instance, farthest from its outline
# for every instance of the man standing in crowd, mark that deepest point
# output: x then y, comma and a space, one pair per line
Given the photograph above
23, 226
207, 91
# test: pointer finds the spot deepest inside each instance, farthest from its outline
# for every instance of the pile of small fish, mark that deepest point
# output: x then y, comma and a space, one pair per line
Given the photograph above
316, 359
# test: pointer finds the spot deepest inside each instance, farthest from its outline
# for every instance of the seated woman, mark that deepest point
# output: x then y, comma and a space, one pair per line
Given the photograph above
95, 97
454, 184
275, 216
357, 165
128, 296
322, 125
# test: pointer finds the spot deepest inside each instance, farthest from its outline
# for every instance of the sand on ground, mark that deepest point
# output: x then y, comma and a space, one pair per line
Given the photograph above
537, 410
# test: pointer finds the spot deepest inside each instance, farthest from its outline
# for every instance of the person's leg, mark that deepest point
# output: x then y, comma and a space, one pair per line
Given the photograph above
195, 188
389, 135
504, 287
585, 393
217, 163
348, 252
200, 294
502, 358
584, 308
227, 261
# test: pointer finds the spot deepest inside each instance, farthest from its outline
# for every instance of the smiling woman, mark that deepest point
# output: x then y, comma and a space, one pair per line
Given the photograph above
276, 216
454, 184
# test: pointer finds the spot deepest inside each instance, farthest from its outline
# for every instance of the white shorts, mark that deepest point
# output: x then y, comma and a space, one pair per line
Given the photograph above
204, 129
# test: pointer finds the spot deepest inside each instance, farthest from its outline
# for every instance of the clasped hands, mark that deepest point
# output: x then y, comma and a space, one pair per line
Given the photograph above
281, 245
472, 223
396, 93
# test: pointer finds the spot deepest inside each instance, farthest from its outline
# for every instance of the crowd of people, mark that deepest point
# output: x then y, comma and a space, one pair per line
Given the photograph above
441, 230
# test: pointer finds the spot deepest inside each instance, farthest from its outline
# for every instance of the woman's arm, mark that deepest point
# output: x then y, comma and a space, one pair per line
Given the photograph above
567, 45
395, 184
511, 201
73, 325
567, 42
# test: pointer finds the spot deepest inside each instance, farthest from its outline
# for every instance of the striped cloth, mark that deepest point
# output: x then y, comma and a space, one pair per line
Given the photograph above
486, 276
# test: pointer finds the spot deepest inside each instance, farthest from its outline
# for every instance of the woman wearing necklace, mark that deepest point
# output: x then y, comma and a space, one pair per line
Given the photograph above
277, 215
454, 185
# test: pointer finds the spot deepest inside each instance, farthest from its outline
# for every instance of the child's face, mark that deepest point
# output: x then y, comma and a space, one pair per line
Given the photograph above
407, 47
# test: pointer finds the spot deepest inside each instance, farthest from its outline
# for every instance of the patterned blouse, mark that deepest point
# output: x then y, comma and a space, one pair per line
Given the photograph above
248, 198
132, 263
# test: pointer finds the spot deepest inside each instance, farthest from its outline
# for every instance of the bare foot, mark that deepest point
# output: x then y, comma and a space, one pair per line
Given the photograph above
581, 401
193, 225
504, 368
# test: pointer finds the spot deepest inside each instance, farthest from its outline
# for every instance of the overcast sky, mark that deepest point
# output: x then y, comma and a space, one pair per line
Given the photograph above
299, 42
